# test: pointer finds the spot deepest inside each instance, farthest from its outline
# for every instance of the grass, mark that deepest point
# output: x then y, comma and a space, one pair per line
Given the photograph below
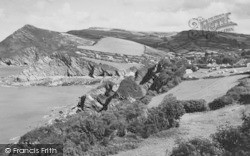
207, 89
115, 45
192, 125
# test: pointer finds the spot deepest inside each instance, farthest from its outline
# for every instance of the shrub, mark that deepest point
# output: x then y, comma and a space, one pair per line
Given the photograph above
245, 98
196, 147
220, 102
236, 91
172, 107
228, 138
163, 117
191, 106
129, 88
133, 111
235, 140
228, 141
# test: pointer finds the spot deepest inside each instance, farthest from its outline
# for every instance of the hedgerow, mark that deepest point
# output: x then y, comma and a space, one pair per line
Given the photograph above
191, 106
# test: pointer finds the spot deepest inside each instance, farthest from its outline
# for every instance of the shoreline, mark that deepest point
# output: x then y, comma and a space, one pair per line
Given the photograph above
51, 103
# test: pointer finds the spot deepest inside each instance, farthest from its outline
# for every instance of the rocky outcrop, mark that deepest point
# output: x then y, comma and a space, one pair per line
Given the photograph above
45, 41
98, 99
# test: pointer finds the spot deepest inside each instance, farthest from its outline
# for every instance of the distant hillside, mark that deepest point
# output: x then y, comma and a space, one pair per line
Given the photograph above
150, 39
115, 45
50, 53
44, 41
175, 42
199, 40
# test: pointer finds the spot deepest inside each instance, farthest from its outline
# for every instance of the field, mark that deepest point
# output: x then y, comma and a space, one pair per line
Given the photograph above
120, 66
207, 89
115, 45
191, 126
201, 73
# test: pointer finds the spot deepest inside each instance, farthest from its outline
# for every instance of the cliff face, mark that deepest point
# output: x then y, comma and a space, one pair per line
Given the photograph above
47, 53
64, 65
42, 41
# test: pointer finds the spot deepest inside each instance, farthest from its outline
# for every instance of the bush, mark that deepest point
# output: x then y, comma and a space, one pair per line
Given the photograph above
235, 140
220, 102
129, 88
133, 111
236, 91
245, 98
172, 107
163, 117
196, 147
228, 141
191, 106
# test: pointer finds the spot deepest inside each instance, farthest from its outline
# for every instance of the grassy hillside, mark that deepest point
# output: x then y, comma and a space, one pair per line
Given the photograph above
115, 45
44, 41
201, 40
207, 89
177, 42
140, 37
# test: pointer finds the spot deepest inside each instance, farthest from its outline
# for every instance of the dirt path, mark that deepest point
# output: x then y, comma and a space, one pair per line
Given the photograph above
207, 89
191, 126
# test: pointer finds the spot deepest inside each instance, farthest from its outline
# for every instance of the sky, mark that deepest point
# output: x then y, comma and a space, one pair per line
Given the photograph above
141, 15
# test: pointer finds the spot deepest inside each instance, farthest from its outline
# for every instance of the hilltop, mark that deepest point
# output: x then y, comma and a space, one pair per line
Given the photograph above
46, 53
172, 41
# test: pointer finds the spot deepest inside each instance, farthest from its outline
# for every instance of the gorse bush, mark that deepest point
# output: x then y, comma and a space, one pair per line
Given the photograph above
220, 102
163, 117
245, 98
228, 141
197, 147
93, 133
235, 140
79, 133
129, 88
191, 106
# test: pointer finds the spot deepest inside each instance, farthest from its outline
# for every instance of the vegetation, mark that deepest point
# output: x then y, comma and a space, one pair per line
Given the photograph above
108, 132
129, 88
191, 106
163, 76
146, 99
228, 141
196, 147
220, 102
163, 117
226, 59
239, 93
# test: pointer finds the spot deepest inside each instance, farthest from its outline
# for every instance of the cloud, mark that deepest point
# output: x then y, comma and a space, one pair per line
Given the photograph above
142, 15
62, 19
2, 14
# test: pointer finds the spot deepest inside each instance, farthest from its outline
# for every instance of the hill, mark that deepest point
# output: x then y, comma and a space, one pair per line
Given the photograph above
115, 45
45, 41
175, 42
48, 53
147, 38
201, 40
